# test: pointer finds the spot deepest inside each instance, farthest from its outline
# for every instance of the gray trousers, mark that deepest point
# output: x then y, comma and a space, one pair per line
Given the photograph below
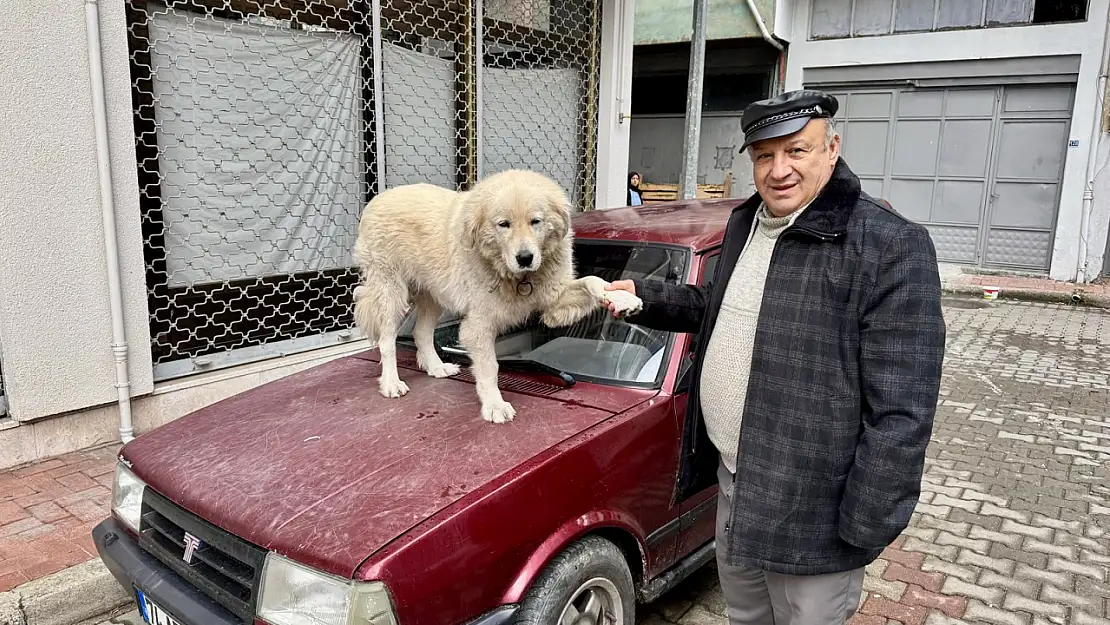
756, 597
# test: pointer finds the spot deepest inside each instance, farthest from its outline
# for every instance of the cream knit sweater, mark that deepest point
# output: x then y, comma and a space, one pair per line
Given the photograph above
726, 367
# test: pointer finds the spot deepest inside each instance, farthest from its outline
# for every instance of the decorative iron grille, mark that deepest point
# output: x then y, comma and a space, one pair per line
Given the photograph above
264, 126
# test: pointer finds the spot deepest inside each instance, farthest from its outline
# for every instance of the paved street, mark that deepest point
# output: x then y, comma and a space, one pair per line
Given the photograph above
1013, 527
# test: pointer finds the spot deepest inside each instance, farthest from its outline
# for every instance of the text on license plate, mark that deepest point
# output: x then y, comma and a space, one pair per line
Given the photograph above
152, 613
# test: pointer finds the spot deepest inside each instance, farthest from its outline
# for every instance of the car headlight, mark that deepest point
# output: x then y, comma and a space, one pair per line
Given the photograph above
127, 497
293, 594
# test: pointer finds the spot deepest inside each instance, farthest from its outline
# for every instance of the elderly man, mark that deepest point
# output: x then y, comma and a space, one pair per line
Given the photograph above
816, 372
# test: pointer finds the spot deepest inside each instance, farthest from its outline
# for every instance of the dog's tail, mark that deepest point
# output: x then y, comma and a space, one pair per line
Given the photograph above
366, 317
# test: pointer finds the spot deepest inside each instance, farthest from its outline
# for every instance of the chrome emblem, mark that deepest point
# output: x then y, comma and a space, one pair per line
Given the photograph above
192, 543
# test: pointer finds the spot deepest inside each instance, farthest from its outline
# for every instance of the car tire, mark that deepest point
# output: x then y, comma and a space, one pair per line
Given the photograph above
588, 583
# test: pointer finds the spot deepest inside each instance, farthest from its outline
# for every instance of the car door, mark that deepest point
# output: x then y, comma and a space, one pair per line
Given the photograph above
698, 513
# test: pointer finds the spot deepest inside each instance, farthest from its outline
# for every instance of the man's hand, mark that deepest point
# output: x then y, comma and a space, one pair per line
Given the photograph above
620, 285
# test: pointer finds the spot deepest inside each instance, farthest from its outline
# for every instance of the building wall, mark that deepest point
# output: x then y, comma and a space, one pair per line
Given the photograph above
1099, 233
1082, 38
669, 21
1099, 244
615, 101
783, 28
55, 325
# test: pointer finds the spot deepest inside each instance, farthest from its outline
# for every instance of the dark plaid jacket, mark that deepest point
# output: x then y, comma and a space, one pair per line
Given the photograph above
844, 381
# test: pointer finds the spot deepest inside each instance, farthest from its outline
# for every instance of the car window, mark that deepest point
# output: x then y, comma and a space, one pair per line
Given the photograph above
597, 348
707, 276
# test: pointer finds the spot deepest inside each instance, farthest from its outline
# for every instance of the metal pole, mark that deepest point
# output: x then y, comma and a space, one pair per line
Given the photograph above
688, 185
379, 93
479, 56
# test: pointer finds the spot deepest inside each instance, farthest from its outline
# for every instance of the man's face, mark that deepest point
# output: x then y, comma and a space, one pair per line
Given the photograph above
790, 171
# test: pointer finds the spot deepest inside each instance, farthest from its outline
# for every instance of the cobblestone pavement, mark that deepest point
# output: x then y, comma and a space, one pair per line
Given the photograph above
1013, 527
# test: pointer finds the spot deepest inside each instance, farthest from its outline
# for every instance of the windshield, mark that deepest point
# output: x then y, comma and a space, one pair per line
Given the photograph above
597, 348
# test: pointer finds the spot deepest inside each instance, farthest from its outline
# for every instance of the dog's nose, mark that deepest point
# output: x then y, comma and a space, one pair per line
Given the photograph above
524, 259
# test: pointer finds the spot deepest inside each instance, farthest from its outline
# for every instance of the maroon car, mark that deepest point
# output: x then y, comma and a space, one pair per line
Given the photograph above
312, 500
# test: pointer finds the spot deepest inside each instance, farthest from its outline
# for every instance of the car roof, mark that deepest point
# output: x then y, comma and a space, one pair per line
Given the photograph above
697, 224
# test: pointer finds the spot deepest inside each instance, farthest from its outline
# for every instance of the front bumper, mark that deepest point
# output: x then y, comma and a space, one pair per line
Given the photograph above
134, 568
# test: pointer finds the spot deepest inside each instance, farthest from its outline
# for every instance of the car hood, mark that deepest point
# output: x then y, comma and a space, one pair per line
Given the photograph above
321, 468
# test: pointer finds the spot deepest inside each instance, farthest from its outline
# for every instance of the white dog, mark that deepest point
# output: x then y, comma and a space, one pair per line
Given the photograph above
495, 255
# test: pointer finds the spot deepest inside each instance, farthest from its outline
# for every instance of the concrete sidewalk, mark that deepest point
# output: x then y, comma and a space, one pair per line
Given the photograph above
963, 281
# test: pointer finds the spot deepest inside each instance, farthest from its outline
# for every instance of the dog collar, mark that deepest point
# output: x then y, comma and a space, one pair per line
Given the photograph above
524, 287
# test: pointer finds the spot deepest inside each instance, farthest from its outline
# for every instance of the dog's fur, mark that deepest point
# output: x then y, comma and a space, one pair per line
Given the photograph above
444, 250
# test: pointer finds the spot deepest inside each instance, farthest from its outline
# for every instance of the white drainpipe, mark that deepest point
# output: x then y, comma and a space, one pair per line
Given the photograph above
1092, 161
108, 210
763, 26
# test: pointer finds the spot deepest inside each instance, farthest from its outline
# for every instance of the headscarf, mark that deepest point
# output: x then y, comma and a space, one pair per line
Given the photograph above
631, 188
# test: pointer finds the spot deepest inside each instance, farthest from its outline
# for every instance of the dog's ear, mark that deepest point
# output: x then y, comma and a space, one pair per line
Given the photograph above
472, 220
560, 213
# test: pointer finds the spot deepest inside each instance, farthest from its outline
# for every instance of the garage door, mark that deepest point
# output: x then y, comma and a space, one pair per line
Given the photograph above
980, 167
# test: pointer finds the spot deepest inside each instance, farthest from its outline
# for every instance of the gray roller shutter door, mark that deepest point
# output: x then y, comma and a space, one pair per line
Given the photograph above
979, 166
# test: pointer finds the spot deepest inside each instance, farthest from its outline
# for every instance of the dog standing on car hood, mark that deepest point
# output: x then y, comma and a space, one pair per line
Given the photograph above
495, 254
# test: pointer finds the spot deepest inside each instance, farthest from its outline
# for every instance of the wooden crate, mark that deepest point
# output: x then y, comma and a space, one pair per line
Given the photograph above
657, 193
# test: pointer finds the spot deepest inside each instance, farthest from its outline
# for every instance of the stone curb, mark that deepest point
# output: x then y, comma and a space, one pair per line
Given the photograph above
1031, 295
69, 597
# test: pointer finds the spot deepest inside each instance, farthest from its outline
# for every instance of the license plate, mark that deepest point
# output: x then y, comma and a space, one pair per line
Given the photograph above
152, 613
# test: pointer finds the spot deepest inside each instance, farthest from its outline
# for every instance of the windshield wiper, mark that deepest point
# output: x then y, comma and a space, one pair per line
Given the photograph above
515, 364
526, 364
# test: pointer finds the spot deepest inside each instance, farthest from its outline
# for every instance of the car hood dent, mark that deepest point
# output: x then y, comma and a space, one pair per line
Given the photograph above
319, 467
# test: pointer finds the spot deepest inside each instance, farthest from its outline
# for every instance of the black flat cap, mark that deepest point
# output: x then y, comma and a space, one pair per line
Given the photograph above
785, 114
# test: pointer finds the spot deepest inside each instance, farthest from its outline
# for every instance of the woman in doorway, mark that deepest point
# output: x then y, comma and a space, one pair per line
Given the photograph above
634, 198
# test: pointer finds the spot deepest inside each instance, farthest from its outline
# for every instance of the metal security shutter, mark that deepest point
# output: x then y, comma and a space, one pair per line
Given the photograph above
979, 166
1030, 146
262, 128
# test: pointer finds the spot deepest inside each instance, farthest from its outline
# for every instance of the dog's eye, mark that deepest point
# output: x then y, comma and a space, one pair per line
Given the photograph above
535, 222
503, 223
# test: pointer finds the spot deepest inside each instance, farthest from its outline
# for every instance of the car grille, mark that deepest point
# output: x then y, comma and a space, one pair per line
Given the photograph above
226, 568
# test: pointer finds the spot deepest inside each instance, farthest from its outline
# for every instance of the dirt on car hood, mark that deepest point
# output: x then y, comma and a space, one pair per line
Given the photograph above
321, 468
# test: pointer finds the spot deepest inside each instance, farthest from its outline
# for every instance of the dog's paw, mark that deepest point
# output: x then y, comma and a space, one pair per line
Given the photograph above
360, 292
595, 286
436, 368
624, 303
392, 388
443, 370
498, 412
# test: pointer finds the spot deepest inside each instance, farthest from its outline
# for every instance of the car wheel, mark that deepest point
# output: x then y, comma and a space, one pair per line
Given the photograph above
587, 584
